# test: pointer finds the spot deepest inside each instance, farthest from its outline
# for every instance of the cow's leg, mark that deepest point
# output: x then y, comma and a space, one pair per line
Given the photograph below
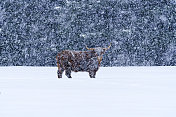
92, 74
59, 72
68, 69
68, 72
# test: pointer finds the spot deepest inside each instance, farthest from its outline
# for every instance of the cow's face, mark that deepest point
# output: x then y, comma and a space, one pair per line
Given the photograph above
99, 51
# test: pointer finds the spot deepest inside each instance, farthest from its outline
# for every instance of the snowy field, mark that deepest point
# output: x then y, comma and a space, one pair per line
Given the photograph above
115, 92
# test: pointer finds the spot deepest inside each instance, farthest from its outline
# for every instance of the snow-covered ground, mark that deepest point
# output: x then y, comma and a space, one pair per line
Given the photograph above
115, 92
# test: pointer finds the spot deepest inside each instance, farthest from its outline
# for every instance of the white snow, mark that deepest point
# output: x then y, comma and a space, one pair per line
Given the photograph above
115, 92
83, 35
163, 18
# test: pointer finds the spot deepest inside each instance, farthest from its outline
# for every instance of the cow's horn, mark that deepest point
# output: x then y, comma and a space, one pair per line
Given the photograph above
108, 47
89, 48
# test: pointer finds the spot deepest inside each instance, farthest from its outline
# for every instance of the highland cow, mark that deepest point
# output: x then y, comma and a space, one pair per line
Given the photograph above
89, 61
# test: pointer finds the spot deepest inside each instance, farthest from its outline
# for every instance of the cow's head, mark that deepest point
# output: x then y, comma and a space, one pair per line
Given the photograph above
99, 51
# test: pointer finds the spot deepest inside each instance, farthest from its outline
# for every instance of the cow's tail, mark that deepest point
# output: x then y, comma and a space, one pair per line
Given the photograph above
58, 63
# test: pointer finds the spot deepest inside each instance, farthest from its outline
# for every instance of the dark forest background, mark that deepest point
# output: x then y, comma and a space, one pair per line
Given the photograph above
142, 32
